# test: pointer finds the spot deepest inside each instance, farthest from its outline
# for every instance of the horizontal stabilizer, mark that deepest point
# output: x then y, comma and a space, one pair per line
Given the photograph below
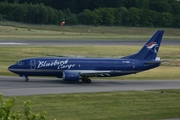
152, 62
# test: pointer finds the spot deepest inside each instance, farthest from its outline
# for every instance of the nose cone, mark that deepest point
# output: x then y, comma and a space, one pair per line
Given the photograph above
10, 68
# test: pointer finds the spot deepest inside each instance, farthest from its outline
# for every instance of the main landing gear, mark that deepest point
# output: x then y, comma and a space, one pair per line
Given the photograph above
86, 80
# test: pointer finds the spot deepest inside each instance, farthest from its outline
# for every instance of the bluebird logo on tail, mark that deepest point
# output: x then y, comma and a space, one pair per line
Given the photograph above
152, 46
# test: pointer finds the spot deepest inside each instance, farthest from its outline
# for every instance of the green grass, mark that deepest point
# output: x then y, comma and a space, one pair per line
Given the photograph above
13, 53
24, 31
168, 70
131, 105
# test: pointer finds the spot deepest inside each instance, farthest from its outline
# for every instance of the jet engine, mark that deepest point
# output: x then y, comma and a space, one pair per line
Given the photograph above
70, 76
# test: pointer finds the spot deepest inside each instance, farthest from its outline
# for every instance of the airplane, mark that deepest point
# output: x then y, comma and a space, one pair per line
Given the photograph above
76, 69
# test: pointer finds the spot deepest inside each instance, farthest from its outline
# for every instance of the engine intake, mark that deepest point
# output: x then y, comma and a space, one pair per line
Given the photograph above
70, 76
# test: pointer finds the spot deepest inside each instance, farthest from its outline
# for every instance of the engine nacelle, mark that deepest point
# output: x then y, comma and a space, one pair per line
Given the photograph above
70, 76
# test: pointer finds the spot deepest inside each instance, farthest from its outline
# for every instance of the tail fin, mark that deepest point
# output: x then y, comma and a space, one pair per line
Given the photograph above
150, 49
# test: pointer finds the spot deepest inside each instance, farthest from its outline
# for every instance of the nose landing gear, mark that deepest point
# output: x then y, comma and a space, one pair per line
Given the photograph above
26, 79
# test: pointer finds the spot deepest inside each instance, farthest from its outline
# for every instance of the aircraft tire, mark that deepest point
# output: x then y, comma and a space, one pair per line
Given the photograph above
88, 81
26, 79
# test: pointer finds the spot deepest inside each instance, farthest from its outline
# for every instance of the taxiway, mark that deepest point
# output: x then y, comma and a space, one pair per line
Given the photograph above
15, 86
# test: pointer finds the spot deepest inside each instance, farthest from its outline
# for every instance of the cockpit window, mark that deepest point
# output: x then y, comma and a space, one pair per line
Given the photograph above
20, 63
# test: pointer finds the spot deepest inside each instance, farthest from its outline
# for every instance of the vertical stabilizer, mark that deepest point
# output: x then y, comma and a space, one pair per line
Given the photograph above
150, 49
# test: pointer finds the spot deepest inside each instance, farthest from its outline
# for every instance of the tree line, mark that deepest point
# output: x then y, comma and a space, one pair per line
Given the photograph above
139, 13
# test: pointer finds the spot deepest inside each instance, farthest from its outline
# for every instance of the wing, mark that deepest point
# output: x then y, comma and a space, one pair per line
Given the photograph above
94, 73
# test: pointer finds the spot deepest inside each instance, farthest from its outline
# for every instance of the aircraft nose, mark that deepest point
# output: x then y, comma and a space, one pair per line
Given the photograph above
10, 68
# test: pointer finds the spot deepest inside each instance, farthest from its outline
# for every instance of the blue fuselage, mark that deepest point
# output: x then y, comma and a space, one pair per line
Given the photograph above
55, 66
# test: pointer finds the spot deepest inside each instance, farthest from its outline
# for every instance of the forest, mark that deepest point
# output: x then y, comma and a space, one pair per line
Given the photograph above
134, 13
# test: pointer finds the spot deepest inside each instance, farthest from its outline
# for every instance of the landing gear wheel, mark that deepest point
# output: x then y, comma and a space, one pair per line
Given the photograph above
26, 79
88, 81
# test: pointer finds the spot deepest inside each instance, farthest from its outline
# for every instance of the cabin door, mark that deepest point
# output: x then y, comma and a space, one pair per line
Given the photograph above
32, 64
